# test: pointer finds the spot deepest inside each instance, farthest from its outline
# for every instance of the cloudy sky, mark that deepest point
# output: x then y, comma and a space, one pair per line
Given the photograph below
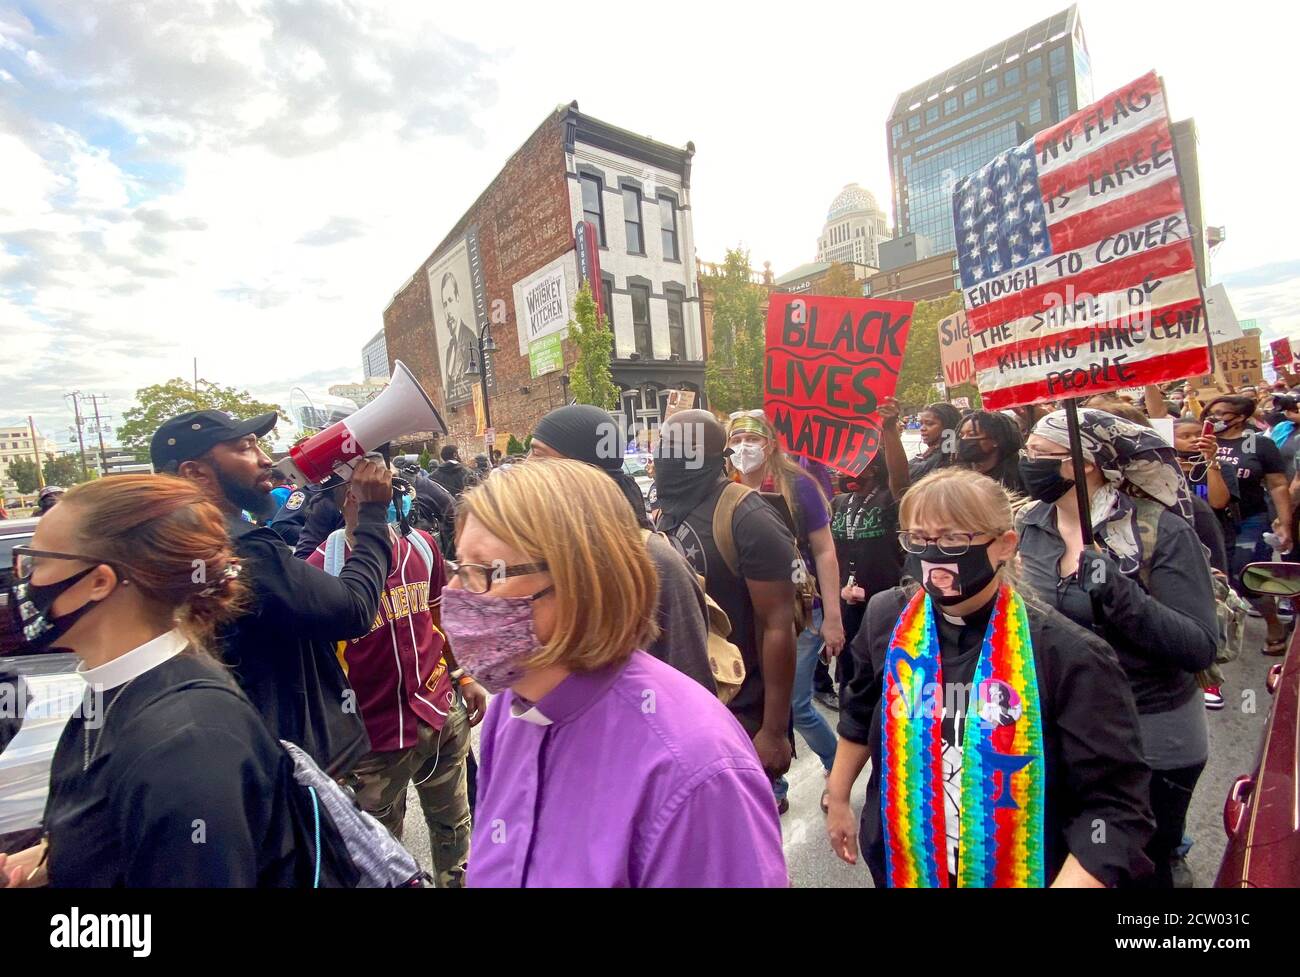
249, 182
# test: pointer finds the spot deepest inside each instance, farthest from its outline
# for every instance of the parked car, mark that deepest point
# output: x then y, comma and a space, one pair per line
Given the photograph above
638, 466
49, 690
1262, 812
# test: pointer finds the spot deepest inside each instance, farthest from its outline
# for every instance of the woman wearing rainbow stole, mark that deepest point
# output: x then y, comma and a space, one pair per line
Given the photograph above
1003, 738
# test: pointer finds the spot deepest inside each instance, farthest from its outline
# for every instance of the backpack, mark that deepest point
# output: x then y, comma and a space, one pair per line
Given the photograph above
1230, 610
805, 584
336, 548
340, 845
379, 858
725, 660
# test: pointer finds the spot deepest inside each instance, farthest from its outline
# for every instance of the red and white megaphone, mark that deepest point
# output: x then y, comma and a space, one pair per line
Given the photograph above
330, 457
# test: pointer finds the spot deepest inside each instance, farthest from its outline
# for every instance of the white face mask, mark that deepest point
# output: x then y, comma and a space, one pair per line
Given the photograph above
748, 457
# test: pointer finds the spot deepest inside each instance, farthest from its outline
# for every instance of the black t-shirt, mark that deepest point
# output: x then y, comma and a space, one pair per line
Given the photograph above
765, 550
960, 643
1227, 518
865, 530
1250, 467
923, 465
184, 787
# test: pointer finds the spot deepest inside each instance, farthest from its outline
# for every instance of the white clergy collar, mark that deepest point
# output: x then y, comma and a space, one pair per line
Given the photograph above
521, 708
135, 662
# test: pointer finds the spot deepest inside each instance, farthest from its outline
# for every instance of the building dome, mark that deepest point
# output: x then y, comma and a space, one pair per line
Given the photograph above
852, 199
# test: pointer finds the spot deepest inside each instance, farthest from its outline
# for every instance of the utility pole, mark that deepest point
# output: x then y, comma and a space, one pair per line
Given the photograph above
36, 453
76, 410
99, 429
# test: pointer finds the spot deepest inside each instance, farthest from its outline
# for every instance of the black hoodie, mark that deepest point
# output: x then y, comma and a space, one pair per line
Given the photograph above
282, 651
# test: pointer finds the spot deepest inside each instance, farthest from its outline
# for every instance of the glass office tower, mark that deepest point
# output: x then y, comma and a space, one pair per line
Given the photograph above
951, 125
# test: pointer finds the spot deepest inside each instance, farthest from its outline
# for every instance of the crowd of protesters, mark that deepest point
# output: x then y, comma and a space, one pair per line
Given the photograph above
639, 671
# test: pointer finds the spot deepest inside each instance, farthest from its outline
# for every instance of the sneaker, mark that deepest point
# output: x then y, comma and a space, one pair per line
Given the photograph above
1213, 698
830, 700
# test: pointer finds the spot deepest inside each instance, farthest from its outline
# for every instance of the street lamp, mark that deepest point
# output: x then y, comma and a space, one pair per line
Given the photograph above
485, 345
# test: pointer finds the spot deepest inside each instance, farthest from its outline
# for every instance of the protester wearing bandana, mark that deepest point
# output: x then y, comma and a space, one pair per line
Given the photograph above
1144, 586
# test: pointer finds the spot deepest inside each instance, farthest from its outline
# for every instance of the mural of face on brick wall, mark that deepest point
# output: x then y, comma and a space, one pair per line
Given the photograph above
453, 323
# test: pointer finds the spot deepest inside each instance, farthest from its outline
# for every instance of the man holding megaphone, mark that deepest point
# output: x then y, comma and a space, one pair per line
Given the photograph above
282, 650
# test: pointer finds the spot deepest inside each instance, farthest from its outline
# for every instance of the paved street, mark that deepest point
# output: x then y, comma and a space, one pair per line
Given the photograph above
1234, 741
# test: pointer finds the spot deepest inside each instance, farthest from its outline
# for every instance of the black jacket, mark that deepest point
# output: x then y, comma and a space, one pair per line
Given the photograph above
185, 787
454, 477
1162, 638
1097, 784
283, 650
435, 511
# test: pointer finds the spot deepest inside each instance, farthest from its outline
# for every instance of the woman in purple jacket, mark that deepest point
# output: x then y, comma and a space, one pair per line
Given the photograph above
599, 765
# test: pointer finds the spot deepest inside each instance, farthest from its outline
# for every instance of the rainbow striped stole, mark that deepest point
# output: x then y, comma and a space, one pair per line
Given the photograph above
1002, 776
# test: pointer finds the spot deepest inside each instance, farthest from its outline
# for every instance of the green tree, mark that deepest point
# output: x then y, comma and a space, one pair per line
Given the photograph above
734, 374
840, 281
65, 470
514, 446
425, 459
917, 380
590, 379
163, 400
23, 472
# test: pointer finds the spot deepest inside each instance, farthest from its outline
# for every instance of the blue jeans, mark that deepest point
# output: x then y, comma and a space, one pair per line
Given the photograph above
815, 730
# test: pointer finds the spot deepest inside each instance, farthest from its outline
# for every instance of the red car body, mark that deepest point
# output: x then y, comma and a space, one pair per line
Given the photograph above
1262, 812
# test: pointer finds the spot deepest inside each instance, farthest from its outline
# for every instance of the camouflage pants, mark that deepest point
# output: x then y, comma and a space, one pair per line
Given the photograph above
436, 764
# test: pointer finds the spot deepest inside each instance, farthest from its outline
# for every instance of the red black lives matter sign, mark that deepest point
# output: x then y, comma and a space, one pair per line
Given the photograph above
831, 360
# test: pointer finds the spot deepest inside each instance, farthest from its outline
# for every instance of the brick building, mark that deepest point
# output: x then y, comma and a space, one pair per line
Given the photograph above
509, 269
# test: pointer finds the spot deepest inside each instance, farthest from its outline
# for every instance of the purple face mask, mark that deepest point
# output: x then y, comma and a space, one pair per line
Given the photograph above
491, 636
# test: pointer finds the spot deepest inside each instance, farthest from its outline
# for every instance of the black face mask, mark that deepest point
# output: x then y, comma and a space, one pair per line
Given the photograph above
1274, 417
952, 579
40, 629
1042, 478
682, 484
971, 451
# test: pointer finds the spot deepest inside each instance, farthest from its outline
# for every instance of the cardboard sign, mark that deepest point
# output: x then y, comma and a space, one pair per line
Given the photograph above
1237, 363
1077, 263
1240, 362
679, 400
961, 403
1282, 355
831, 360
954, 350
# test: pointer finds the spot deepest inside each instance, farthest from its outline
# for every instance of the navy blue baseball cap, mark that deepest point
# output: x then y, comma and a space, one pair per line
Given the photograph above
187, 436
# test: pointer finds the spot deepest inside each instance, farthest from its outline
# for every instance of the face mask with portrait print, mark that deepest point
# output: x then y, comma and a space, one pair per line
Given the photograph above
952, 579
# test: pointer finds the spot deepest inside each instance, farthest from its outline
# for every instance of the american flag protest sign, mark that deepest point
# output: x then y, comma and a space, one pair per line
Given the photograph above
1076, 257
